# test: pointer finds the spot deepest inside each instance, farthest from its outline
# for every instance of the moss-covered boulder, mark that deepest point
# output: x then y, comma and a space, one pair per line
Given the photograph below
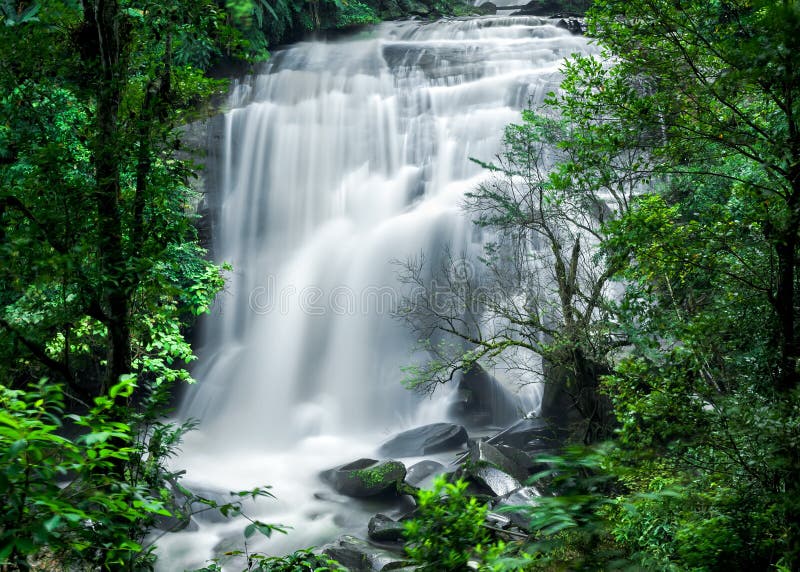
366, 477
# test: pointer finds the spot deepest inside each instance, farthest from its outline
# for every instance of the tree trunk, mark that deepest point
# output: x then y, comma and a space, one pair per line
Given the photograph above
104, 18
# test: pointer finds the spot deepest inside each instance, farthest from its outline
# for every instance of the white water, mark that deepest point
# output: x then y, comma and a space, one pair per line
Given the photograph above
341, 157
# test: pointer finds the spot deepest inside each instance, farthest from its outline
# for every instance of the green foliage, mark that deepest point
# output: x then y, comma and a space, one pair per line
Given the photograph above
100, 272
299, 561
568, 522
678, 155
696, 105
447, 528
65, 494
355, 13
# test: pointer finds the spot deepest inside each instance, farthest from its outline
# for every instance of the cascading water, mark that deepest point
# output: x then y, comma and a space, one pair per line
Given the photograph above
341, 157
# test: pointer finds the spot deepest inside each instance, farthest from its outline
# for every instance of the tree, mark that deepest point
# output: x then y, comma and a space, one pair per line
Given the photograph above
543, 299
97, 234
722, 82
706, 394
694, 105
101, 271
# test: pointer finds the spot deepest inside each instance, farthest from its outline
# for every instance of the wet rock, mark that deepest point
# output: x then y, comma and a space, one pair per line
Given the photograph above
384, 529
559, 403
425, 440
497, 481
487, 9
497, 520
358, 555
527, 498
416, 8
483, 454
422, 471
521, 459
573, 25
365, 477
541, 8
482, 400
529, 434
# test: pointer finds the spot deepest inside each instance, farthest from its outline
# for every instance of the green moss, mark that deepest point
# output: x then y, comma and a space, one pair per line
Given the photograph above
374, 476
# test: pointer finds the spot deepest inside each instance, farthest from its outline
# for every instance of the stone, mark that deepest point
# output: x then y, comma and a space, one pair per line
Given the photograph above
176, 523
529, 434
358, 555
573, 25
540, 8
384, 529
524, 497
482, 453
521, 459
487, 9
433, 438
559, 403
365, 477
497, 520
497, 481
422, 471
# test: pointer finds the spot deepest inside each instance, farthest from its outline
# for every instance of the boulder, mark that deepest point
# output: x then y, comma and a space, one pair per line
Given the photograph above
433, 438
176, 523
482, 400
358, 555
497, 520
414, 7
524, 460
384, 529
573, 25
540, 8
422, 471
527, 498
529, 435
487, 9
365, 477
483, 454
497, 481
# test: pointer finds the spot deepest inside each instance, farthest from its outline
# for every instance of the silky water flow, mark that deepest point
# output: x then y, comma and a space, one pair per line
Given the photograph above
341, 157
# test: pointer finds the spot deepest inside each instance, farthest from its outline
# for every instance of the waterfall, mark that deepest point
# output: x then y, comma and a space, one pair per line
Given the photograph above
339, 158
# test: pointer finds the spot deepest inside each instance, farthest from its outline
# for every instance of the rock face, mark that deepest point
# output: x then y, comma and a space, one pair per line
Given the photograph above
424, 440
482, 400
359, 555
365, 477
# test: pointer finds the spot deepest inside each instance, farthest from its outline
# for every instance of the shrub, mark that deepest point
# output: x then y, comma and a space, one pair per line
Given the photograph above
448, 527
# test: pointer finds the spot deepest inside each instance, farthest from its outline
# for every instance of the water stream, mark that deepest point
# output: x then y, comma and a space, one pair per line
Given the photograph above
340, 157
